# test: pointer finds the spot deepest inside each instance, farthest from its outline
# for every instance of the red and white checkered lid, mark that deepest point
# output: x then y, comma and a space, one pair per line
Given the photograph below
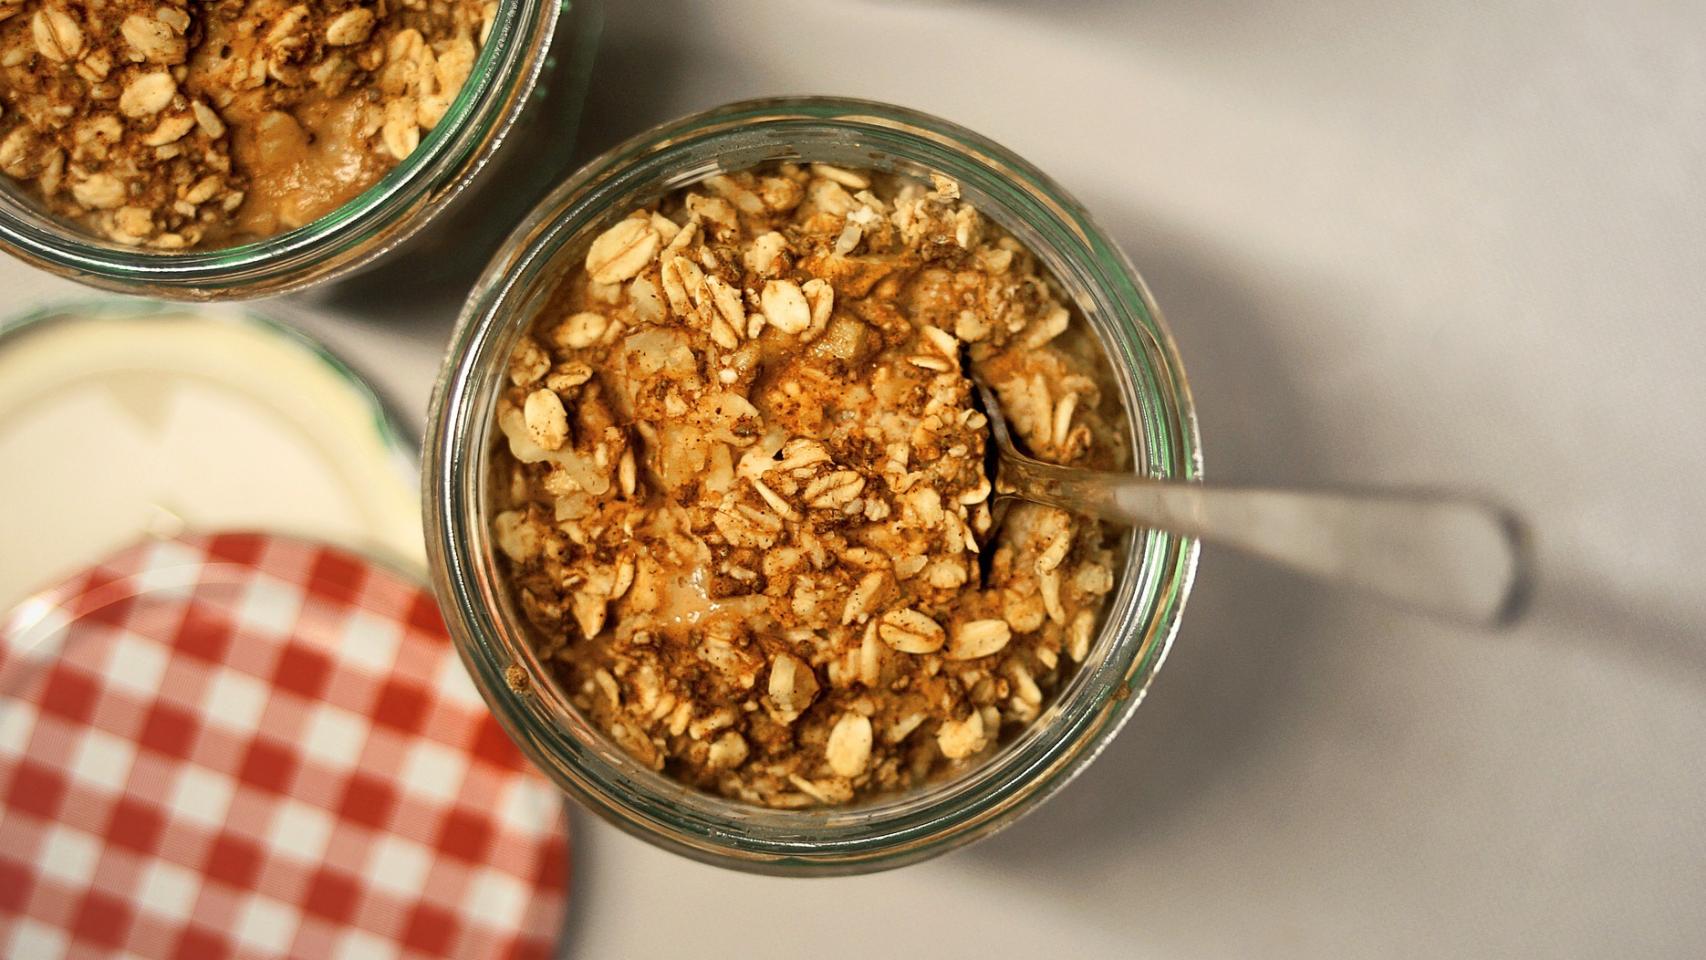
249, 746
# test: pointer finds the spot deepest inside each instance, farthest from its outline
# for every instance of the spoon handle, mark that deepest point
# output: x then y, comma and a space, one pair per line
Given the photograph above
1452, 556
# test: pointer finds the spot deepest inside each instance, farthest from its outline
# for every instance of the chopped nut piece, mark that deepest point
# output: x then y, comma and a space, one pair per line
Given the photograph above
516, 535
744, 526
727, 752
849, 747
401, 131
546, 419
1078, 637
775, 500
834, 490
153, 39
863, 598
786, 307
101, 192
350, 27
133, 221
207, 120
1055, 552
581, 330
792, 685
959, 739
57, 35
765, 252
979, 638
170, 130
202, 191
848, 239
909, 631
147, 95
528, 363
18, 153
850, 179
589, 611
621, 251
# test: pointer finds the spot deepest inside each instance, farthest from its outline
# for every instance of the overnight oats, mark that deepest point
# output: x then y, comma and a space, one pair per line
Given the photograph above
174, 125
740, 493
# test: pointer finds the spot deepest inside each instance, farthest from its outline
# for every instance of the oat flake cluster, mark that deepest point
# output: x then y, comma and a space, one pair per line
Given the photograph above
172, 124
741, 494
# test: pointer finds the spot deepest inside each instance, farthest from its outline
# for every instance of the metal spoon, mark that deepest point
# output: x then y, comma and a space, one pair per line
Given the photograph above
1451, 556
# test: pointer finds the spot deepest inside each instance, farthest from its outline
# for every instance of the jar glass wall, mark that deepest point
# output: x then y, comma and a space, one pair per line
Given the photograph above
1143, 611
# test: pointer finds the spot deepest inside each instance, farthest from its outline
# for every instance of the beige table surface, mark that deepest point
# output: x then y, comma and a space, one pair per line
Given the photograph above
1456, 242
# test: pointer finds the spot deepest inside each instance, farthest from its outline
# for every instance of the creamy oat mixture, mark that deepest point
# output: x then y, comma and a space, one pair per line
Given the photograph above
172, 124
742, 494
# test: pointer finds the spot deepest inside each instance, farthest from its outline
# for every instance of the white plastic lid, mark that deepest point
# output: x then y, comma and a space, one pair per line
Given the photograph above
124, 418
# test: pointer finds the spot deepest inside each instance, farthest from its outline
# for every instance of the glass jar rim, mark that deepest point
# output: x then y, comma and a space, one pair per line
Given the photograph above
1143, 614
363, 228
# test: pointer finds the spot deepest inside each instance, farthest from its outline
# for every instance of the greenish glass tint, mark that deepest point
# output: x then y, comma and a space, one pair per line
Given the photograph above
1144, 609
357, 232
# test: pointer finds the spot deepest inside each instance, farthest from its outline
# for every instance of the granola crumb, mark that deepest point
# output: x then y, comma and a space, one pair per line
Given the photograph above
517, 679
741, 491
176, 124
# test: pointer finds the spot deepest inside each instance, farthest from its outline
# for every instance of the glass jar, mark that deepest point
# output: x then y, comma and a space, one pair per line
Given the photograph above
1143, 611
520, 46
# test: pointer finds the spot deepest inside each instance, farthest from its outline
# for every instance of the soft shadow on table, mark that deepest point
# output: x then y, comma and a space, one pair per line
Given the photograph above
1231, 690
1248, 630
1087, 16
633, 88
625, 93
1656, 632
1049, 7
583, 863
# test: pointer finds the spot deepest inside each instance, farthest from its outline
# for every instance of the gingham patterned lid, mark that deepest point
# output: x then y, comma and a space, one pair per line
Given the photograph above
250, 746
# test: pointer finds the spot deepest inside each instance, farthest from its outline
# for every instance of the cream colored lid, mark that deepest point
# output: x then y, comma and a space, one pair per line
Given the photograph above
118, 420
